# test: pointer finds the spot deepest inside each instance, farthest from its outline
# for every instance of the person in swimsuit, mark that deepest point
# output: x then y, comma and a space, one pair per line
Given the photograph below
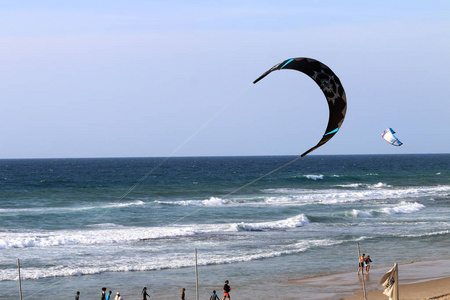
368, 261
226, 291
361, 263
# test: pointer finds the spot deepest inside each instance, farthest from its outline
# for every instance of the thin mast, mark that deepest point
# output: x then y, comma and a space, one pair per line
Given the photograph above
20, 282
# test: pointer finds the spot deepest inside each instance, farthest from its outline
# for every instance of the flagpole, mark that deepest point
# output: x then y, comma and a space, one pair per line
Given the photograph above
396, 281
20, 282
362, 269
196, 274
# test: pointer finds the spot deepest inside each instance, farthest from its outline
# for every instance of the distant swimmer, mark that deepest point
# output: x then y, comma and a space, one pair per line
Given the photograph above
361, 263
226, 291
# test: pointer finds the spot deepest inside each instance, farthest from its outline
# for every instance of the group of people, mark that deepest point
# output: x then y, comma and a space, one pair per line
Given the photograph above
364, 260
108, 296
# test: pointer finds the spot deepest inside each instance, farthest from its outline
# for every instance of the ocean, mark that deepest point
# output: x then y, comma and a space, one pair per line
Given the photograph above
126, 223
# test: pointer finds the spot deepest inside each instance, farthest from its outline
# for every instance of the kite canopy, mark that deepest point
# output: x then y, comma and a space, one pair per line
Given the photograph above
389, 137
330, 85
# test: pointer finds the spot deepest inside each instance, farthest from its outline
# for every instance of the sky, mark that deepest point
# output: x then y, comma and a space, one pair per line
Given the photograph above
174, 78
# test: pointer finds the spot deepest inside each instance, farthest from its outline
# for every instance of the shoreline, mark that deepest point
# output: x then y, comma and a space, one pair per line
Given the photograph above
417, 280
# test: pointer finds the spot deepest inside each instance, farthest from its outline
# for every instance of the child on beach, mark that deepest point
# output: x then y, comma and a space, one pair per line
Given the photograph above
226, 291
214, 296
77, 296
183, 295
108, 296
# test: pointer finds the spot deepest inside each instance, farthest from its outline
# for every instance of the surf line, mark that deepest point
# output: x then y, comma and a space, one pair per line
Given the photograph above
172, 154
162, 162
240, 188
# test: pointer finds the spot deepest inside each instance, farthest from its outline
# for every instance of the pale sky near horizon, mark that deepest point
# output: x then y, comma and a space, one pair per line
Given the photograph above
162, 78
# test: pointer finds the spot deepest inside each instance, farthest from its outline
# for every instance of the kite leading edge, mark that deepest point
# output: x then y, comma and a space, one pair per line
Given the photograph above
330, 85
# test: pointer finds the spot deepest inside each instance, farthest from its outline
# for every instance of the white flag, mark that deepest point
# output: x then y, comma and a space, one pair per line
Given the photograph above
390, 283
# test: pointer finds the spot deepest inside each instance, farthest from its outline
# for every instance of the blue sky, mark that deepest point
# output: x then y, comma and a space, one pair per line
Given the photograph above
160, 78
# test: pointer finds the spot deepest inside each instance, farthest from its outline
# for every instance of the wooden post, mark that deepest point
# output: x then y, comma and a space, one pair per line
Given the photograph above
362, 269
20, 282
196, 274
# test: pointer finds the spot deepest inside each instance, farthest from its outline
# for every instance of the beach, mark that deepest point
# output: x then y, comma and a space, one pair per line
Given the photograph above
418, 281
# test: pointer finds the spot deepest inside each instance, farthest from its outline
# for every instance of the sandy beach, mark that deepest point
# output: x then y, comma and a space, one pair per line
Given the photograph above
418, 280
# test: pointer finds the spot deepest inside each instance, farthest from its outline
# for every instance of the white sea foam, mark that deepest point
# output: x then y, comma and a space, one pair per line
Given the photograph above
60, 210
359, 213
101, 236
296, 221
314, 177
135, 263
403, 208
288, 196
213, 201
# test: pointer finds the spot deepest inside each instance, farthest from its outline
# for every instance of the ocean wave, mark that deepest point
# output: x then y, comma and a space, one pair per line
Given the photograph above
101, 236
293, 222
443, 232
381, 191
314, 177
359, 213
378, 185
403, 208
135, 263
60, 210
213, 201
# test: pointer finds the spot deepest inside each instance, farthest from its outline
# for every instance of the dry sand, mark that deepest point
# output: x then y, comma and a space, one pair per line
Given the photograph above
418, 280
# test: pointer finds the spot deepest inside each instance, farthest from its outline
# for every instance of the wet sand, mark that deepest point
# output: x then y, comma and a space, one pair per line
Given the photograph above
418, 280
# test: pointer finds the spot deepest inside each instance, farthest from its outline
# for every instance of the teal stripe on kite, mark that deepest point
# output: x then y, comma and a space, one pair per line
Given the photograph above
286, 63
333, 131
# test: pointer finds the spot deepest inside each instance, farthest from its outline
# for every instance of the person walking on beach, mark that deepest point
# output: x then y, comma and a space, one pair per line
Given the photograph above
77, 296
214, 296
183, 294
103, 293
368, 261
226, 291
108, 296
117, 296
361, 263
145, 294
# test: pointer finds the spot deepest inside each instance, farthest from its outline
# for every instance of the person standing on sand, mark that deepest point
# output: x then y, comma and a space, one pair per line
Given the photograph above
103, 293
367, 261
183, 294
361, 263
117, 296
144, 293
108, 297
226, 291
214, 296
77, 296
